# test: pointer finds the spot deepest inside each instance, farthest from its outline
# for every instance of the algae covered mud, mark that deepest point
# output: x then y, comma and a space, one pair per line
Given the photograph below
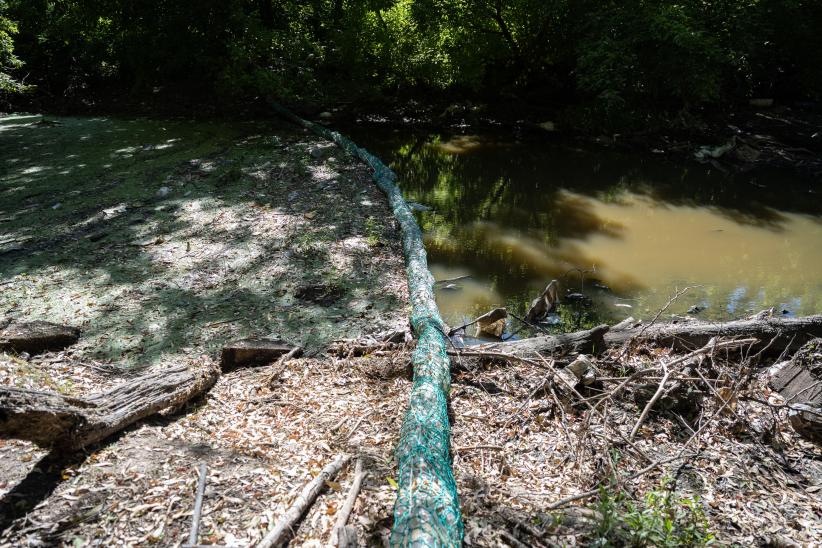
626, 231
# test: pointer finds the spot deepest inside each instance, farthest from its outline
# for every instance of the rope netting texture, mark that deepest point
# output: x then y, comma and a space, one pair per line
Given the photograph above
427, 511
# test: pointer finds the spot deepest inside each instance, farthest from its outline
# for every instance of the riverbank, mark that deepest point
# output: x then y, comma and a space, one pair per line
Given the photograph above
763, 136
170, 239
162, 241
737, 139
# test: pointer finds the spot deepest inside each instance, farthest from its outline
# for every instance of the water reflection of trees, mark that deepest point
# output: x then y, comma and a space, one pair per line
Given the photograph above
517, 181
512, 211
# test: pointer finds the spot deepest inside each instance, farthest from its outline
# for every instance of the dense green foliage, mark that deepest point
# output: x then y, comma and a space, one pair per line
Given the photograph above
606, 54
8, 61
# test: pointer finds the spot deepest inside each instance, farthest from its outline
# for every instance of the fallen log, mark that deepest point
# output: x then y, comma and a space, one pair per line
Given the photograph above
253, 352
38, 336
799, 381
590, 341
774, 336
62, 422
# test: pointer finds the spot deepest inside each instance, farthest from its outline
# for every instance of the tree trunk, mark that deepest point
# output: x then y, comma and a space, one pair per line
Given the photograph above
54, 420
266, 13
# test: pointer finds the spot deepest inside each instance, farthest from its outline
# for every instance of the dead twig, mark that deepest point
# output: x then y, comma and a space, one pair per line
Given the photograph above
198, 506
668, 368
306, 497
358, 423
350, 499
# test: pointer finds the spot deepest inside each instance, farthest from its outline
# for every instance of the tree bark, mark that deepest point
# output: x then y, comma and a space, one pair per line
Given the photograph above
62, 422
266, 13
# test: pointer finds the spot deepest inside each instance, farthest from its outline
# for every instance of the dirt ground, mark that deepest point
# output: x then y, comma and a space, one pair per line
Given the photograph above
251, 239
162, 241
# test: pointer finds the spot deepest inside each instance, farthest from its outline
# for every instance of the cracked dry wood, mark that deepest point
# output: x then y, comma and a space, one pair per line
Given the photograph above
54, 420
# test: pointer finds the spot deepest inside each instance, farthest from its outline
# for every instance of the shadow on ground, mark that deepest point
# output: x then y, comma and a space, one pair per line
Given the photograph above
159, 237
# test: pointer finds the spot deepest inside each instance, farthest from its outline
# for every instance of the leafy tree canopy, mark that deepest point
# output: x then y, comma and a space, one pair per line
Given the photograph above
606, 53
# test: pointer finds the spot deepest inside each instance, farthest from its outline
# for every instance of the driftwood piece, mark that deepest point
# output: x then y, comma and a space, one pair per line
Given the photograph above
253, 352
38, 336
492, 324
543, 304
54, 420
306, 497
590, 341
774, 336
777, 334
488, 318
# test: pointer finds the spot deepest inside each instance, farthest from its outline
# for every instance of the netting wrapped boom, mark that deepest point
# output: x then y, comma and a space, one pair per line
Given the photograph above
427, 511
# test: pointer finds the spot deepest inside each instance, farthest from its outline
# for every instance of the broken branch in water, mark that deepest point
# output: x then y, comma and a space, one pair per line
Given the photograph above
451, 280
545, 303
489, 317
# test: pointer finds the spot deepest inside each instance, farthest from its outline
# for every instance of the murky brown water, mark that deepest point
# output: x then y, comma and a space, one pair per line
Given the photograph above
514, 215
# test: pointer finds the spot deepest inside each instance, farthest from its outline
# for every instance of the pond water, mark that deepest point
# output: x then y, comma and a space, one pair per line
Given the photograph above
627, 231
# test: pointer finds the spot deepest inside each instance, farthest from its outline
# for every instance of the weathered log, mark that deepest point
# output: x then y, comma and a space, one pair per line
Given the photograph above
807, 421
38, 336
777, 334
590, 341
253, 352
774, 335
57, 421
799, 381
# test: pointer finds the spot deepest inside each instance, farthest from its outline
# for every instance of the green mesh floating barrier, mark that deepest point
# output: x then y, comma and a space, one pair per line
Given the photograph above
427, 511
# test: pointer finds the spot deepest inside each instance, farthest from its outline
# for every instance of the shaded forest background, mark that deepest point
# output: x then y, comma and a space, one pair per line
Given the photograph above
602, 60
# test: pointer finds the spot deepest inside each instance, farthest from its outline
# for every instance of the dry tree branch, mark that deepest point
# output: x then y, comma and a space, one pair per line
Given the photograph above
350, 499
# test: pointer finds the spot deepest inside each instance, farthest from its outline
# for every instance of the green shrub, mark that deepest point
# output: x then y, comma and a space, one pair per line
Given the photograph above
660, 519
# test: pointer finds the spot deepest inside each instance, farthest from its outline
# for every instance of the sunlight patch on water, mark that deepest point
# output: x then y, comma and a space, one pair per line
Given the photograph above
662, 243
